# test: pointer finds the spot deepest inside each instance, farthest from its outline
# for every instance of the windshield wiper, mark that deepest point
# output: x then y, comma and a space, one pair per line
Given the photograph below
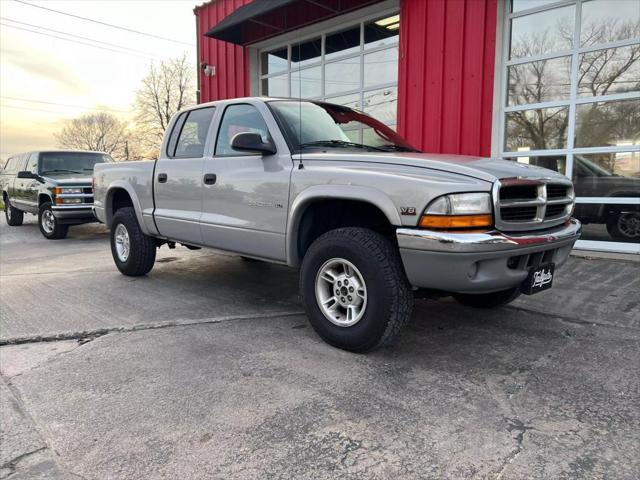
337, 144
396, 148
61, 170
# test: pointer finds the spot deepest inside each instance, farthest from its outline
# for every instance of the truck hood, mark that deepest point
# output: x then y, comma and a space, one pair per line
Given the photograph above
69, 179
487, 169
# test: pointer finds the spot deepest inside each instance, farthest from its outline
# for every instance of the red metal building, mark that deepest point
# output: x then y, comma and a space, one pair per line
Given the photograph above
554, 83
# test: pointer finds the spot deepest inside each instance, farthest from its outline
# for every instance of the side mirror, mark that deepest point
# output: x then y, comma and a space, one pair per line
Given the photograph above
26, 174
252, 142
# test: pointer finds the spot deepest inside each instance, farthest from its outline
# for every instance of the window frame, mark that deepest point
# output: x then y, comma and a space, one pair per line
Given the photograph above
327, 29
239, 153
180, 123
501, 108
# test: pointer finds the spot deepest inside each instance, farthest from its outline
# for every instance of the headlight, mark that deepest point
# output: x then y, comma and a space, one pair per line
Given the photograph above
71, 191
460, 210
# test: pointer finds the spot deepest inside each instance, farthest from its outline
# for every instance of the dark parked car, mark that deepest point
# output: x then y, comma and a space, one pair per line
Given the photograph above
56, 186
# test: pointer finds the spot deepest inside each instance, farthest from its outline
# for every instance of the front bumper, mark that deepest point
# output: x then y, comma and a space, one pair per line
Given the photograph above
69, 214
481, 262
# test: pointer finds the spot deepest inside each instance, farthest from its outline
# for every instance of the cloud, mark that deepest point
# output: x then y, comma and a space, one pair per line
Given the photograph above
36, 64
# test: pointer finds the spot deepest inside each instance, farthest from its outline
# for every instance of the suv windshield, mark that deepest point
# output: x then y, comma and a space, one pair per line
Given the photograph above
310, 125
71, 162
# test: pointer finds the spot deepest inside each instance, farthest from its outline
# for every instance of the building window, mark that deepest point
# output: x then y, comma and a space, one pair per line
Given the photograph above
571, 102
356, 66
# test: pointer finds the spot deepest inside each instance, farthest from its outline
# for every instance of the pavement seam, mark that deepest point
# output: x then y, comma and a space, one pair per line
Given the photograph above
89, 335
572, 320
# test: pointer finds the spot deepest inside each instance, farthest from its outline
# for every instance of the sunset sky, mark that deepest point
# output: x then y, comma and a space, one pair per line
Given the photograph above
45, 80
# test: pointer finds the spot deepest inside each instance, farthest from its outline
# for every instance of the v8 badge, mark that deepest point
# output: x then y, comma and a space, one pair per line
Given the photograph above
407, 210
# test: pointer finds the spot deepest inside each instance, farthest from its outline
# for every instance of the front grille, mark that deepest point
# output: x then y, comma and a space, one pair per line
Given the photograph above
555, 210
531, 204
556, 191
518, 213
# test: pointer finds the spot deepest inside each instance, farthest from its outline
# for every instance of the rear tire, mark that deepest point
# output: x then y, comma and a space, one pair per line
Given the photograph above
13, 216
377, 300
488, 300
133, 252
49, 226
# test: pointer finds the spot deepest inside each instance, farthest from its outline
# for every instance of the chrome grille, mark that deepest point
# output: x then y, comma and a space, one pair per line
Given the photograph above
530, 204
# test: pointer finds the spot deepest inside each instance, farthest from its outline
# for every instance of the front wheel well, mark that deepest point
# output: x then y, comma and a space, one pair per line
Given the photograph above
43, 198
324, 215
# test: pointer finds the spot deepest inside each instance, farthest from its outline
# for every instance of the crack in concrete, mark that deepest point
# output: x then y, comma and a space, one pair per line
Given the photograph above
85, 336
11, 464
570, 320
513, 425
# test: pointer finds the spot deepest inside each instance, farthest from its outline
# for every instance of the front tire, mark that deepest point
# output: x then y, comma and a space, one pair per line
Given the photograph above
354, 289
49, 225
13, 216
133, 252
488, 300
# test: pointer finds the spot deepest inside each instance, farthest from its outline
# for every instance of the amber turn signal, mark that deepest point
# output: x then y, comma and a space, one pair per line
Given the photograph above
447, 222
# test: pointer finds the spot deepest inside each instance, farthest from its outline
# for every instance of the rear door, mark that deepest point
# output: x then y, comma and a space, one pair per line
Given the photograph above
245, 208
178, 176
30, 185
18, 193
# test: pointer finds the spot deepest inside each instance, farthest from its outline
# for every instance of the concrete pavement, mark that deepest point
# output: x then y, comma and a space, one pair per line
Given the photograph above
207, 369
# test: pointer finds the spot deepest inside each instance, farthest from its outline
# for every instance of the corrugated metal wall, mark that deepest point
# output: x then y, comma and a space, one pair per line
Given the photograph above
447, 51
232, 65
446, 74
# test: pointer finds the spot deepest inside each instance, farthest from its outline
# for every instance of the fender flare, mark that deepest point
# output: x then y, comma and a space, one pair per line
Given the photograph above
122, 185
310, 195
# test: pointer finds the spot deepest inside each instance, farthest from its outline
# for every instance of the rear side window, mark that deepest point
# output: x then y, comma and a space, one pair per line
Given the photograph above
239, 119
193, 133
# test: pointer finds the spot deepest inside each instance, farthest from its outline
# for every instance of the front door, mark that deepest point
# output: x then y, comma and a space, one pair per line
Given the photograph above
245, 208
178, 177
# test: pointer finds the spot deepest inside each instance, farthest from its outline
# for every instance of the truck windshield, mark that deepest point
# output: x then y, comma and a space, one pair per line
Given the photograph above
309, 125
71, 162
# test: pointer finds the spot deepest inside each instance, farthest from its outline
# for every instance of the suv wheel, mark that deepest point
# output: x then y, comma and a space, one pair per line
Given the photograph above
133, 251
13, 216
354, 289
49, 226
624, 226
488, 300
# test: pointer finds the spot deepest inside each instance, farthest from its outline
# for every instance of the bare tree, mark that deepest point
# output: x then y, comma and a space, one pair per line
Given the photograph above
95, 131
167, 88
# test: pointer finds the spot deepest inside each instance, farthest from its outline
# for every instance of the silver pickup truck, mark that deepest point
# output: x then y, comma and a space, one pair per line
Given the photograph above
369, 221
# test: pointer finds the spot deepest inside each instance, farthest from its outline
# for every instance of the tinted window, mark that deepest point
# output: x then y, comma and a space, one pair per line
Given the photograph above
71, 162
193, 135
10, 165
175, 133
239, 119
32, 164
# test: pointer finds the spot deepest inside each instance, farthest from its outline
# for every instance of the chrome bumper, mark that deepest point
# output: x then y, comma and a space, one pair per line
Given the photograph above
493, 241
480, 262
78, 213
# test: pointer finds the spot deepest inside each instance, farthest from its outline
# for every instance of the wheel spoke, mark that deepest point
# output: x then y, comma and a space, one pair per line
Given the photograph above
328, 276
330, 303
361, 293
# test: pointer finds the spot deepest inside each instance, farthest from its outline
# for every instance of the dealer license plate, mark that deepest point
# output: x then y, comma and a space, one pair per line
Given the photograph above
539, 279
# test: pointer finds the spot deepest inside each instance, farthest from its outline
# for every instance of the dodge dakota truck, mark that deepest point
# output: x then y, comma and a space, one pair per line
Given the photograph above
54, 185
369, 221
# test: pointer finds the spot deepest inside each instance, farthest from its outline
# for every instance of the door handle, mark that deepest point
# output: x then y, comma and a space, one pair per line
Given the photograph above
210, 178
162, 178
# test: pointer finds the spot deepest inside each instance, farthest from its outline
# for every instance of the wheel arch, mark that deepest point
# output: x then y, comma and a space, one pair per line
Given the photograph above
120, 195
44, 198
345, 197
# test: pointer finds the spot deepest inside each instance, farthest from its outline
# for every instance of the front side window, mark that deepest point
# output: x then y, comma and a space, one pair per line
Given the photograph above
80, 163
193, 135
239, 119
311, 125
32, 164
